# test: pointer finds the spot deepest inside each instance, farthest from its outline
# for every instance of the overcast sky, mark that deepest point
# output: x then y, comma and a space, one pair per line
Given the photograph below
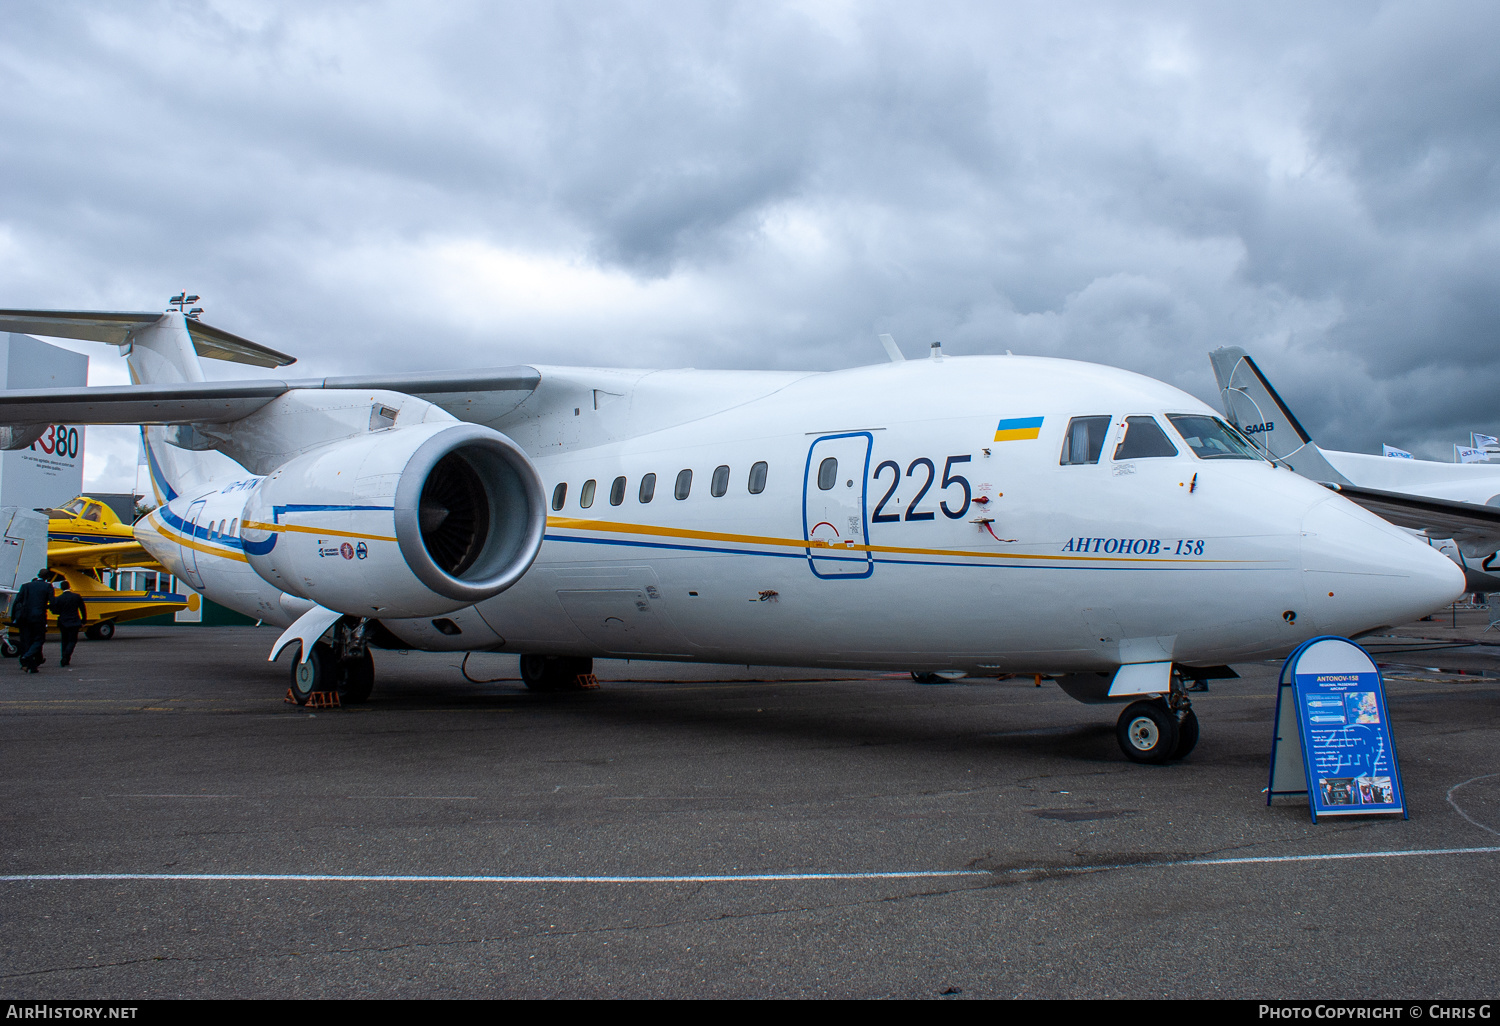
382, 186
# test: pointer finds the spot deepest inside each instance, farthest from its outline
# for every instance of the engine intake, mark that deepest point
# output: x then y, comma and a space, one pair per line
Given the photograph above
416, 521
455, 513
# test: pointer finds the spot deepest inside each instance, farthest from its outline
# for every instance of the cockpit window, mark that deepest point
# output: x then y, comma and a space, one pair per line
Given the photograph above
1212, 439
74, 507
92, 513
1085, 440
1144, 439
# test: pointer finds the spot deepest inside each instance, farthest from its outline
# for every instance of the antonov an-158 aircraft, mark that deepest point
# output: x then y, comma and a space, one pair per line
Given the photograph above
987, 514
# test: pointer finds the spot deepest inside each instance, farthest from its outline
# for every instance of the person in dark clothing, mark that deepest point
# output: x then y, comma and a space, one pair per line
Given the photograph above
71, 613
28, 611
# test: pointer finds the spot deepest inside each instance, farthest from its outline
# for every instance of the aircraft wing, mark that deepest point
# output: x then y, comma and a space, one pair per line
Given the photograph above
107, 556
1476, 528
116, 328
218, 402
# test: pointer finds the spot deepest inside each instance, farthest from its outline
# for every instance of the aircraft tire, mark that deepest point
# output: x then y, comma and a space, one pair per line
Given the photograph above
1187, 735
8, 648
317, 674
554, 673
104, 631
1147, 732
357, 679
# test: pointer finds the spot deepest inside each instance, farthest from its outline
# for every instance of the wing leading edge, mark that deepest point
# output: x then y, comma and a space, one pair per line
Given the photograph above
219, 402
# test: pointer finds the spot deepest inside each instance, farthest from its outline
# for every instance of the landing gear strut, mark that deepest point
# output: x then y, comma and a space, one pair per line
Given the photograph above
1159, 730
345, 666
351, 646
554, 673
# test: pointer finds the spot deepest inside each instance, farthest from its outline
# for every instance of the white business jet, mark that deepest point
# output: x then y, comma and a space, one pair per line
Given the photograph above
1457, 505
973, 514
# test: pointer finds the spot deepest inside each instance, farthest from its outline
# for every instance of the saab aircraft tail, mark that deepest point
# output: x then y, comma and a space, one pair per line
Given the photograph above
1253, 406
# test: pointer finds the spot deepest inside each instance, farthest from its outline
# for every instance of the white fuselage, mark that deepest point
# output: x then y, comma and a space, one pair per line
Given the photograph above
937, 545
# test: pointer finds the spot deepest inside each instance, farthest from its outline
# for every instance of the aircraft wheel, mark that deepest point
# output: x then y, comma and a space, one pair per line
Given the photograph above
319, 673
8, 648
1147, 731
100, 631
1187, 734
358, 679
553, 673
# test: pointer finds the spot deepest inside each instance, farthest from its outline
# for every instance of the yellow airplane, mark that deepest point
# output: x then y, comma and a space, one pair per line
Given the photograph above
84, 538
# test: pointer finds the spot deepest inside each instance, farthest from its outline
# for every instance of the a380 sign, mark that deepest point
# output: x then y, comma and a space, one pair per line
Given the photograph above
60, 440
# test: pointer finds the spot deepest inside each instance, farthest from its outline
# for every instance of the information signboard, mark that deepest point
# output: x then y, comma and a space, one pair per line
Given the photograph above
1333, 737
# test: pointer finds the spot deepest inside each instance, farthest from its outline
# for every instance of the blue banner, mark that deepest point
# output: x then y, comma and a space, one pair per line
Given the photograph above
1333, 697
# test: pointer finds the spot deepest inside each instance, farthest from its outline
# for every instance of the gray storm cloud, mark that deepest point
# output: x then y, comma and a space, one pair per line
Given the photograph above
385, 186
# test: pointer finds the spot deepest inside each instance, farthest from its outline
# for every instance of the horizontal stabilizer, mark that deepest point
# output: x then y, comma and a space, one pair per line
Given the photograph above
220, 402
117, 327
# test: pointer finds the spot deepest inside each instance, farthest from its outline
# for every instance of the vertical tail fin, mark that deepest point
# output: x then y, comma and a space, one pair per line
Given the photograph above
163, 353
1252, 405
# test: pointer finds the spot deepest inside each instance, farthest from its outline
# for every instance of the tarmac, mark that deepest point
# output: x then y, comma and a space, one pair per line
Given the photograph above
172, 828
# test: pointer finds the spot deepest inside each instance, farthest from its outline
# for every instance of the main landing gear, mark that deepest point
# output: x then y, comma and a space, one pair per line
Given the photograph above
1159, 730
556, 673
345, 666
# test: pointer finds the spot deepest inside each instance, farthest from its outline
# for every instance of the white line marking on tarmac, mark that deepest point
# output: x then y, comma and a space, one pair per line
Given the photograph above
351, 878
1461, 812
727, 877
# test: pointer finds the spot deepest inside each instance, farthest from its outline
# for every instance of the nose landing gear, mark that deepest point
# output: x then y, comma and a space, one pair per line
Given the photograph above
1159, 730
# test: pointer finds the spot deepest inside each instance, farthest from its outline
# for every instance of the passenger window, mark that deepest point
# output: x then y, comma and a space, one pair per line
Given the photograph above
617, 492
684, 484
559, 495
720, 483
221, 528
758, 478
828, 473
1143, 439
586, 493
234, 527
648, 488
1084, 441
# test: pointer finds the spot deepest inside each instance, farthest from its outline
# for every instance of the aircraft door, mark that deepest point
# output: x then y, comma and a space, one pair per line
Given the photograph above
833, 505
190, 554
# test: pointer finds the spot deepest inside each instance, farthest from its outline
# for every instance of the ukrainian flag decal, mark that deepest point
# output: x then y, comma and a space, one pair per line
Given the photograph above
1017, 429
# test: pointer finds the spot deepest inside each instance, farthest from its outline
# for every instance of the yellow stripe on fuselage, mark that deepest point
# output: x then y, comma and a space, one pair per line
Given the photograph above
194, 543
610, 527
322, 532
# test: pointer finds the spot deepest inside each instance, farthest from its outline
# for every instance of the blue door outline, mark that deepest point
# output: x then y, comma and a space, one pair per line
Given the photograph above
190, 554
820, 560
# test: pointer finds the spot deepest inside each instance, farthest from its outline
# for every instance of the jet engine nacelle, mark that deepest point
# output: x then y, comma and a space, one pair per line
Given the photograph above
404, 522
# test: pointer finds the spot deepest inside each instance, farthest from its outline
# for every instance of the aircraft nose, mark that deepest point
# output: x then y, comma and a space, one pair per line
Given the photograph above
1360, 572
